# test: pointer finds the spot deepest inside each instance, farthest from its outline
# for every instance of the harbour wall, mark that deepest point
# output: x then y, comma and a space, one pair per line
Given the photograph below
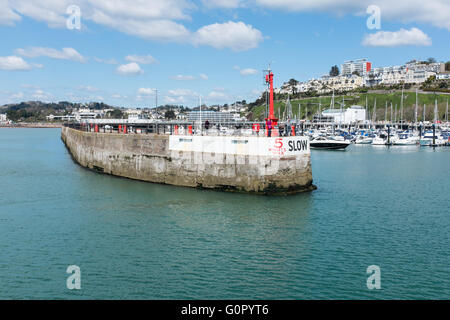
278, 165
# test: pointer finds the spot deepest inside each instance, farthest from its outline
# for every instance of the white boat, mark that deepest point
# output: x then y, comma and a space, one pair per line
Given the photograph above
405, 139
363, 140
328, 143
377, 141
427, 140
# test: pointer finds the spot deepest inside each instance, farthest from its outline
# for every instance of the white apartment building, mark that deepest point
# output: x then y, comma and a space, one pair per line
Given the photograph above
443, 76
413, 72
362, 66
3, 118
339, 83
409, 73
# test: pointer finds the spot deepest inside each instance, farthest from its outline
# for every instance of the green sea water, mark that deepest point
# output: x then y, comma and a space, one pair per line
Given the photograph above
382, 206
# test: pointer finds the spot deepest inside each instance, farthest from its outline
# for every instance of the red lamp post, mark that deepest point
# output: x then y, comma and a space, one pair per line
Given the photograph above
269, 80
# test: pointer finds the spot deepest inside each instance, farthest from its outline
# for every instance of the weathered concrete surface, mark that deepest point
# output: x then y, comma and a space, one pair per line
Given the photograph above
146, 157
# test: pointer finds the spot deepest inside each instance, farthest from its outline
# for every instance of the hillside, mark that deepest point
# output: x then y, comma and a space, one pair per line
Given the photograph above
33, 111
256, 112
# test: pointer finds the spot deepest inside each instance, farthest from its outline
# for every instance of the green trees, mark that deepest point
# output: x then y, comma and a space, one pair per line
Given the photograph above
170, 115
293, 85
334, 71
115, 114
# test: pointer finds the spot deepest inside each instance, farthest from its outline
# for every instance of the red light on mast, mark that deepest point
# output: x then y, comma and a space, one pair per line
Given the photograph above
269, 80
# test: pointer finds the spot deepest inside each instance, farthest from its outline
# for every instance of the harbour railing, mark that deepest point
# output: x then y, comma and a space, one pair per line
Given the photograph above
192, 128
241, 128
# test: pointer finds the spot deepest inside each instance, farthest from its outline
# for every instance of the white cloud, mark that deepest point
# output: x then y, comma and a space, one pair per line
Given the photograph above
129, 69
162, 19
402, 37
181, 77
41, 95
52, 12
30, 86
107, 61
161, 29
181, 92
118, 96
146, 91
148, 59
435, 12
88, 88
17, 96
13, 63
203, 76
236, 36
178, 96
227, 4
7, 16
218, 95
152, 20
174, 100
248, 71
64, 54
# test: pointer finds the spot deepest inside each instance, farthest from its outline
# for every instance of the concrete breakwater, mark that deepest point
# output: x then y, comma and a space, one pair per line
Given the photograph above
278, 165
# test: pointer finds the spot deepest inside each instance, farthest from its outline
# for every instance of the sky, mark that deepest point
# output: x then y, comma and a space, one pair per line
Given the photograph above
121, 51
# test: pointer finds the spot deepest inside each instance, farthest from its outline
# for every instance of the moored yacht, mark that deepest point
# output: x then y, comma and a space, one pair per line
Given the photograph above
328, 143
378, 141
405, 139
363, 140
433, 140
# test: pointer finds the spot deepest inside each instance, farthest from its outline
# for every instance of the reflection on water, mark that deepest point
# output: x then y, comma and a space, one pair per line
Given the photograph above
137, 240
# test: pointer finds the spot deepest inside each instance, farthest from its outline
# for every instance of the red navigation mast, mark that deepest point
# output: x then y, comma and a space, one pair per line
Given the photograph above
269, 81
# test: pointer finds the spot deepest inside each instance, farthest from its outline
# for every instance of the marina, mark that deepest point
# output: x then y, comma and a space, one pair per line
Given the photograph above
137, 240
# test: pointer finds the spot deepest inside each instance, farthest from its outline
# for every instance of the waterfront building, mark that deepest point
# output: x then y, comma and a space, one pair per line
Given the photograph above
137, 116
61, 118
350, 115
211, 116
3, 118
88, 114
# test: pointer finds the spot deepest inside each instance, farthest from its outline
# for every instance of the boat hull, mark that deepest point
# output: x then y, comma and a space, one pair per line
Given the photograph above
331, 145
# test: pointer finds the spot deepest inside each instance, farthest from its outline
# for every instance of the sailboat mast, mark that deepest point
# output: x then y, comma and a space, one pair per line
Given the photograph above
367, 110
395, 114
415, 110
392, 112
374, 118
446, 113
385, 112
401, 108
424, 112
436, 117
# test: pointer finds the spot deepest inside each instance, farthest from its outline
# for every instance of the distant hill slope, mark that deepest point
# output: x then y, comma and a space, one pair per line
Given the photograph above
37, 111
311, 105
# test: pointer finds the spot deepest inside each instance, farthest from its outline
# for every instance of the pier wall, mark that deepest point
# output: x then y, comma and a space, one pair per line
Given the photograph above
242, 164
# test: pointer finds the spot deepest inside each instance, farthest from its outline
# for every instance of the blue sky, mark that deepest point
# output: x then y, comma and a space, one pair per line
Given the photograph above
216, 49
